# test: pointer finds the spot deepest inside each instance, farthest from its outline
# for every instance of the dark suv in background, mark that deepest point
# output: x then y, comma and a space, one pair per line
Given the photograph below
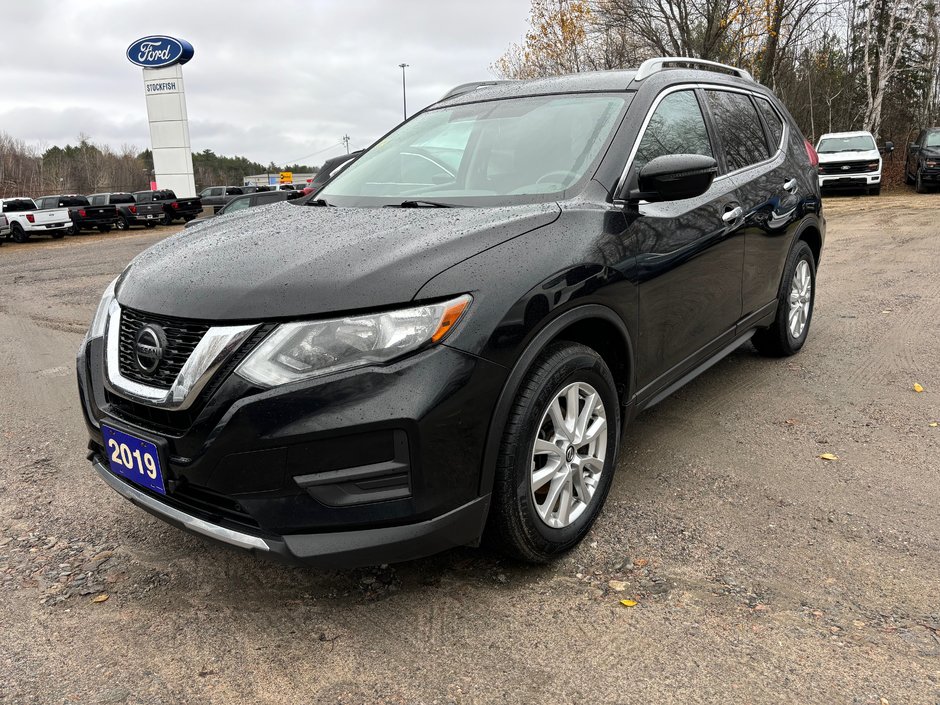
453, 333
922, 167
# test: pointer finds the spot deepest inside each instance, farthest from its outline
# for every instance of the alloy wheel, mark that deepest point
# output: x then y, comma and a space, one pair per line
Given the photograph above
801, 296
568, 455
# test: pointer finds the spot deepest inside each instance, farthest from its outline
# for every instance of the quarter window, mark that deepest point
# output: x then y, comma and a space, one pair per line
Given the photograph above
676, 127
774, 123
739, 128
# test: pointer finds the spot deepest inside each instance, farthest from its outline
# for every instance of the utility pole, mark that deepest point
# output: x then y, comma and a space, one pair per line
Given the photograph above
346, 142
404, 100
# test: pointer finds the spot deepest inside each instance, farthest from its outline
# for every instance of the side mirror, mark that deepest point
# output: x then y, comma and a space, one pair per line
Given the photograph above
913, 147
674, 177
889, 146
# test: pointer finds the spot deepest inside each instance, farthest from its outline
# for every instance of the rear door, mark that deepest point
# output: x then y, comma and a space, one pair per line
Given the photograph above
768, 184
689, 252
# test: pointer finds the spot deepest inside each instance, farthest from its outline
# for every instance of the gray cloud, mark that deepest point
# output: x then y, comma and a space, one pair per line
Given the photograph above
271, 81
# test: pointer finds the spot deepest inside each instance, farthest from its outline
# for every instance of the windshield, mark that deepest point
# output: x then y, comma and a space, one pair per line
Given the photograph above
932, 139
859, 143
493, 153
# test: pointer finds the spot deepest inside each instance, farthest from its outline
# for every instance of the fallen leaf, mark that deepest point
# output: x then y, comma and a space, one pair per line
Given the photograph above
829, 456
792, 422
918, 388
628, 603
882, 701
640, 562
887, 310
933, 424
100, 598
617, 585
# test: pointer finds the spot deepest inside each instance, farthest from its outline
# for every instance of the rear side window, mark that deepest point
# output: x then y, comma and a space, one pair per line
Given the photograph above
676, 127
122, 198
773, 121
739, 128
18, 205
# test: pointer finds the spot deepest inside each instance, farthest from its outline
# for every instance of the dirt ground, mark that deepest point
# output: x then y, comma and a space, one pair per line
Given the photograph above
762, 573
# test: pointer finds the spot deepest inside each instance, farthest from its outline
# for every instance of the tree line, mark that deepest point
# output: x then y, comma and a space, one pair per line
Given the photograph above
86, 167
838, 65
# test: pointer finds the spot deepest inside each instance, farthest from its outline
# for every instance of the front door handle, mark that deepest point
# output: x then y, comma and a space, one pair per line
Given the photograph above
733, 215
790, 186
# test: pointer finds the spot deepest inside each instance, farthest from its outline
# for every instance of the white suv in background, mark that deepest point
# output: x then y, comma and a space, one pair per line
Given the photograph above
850, 160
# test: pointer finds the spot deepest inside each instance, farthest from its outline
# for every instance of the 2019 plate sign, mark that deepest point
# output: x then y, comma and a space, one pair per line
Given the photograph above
134, 459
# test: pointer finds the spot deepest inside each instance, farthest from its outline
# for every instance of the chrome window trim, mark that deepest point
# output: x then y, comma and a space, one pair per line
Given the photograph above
210, 354
691, 87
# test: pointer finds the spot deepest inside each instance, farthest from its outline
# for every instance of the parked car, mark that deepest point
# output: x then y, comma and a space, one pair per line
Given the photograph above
27, 219
250, 200
217, 196
173, 208
84, 216
254, 189
330, 167
129, 212
922, 166
508, 279
4, 228
850, 160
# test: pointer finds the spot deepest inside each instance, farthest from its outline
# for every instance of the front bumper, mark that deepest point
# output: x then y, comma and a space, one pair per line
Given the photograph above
849, 181
374, 465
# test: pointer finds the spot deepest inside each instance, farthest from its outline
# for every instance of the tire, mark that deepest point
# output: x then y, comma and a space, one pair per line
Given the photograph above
874, 191
187, 218
778, 339
167, 219
516, 525
17, 233
72, 230
919, 184
122, 223
150, 225
104, 228
908, 179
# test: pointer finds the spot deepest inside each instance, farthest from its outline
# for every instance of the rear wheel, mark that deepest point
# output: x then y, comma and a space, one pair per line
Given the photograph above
167, 219
73, 230
557, 455
122, 223
18, 234
787, 334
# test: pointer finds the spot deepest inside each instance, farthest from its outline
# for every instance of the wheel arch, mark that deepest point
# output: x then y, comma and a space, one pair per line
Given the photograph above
594, 325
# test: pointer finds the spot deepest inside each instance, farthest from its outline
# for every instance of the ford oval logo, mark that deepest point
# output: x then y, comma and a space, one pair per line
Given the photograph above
156, 51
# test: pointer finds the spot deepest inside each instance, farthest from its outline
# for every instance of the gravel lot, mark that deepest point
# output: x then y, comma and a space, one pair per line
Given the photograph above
762, 573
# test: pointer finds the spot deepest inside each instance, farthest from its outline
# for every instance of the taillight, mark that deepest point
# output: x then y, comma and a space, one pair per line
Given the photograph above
132, 209
81, 213
174, 205
30, 217
811, 153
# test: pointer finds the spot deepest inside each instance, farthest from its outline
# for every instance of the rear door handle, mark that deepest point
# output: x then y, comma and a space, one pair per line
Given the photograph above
790, 186
732, 215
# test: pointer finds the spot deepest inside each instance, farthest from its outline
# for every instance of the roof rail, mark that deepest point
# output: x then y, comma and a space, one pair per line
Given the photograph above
467, 87
651, 66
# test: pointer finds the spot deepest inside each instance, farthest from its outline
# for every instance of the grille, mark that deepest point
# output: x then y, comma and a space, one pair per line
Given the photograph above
182, 338
853, 168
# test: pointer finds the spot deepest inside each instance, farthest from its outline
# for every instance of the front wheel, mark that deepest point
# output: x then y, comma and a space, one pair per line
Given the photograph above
557, 455
919, 184
874, 191
787, 334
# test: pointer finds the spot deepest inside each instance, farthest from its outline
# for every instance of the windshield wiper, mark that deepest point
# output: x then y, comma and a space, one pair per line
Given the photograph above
421, 204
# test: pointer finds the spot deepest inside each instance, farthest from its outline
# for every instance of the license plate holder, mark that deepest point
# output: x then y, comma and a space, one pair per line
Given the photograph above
137, 460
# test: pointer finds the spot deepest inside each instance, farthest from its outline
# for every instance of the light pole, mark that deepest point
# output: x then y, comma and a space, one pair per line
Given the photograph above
404, 100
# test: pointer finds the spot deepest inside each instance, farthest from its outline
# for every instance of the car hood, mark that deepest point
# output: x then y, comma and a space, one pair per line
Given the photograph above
860, 156
930, 152
285, 260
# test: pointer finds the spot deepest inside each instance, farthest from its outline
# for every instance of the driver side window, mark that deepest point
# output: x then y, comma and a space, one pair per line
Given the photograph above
676, 127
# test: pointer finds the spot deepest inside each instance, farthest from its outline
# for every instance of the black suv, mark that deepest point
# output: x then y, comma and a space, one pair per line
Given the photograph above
922, 167
453, 333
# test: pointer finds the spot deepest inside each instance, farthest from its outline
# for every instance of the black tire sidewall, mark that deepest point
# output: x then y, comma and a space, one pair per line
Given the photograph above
573, 363
18, 234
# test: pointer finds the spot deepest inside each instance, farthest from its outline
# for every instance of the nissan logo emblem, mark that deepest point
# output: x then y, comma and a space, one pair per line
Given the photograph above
149, 345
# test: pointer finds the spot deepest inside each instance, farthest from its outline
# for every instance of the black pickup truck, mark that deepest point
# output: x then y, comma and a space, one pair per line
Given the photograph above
215, 197
129, 211
82, 213
173, 208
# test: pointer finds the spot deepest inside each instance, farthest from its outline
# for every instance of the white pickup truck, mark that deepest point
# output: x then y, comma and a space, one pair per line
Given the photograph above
850, 160
27, 220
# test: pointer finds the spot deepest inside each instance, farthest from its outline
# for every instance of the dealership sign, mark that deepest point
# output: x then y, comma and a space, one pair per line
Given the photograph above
157, 51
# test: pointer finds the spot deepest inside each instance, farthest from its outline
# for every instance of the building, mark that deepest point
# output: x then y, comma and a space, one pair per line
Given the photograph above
274, 178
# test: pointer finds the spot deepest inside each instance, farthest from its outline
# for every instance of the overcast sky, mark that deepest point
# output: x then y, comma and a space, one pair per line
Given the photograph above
281, 80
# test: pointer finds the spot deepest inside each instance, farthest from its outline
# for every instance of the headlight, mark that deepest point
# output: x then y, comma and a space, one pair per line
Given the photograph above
297, 351
101, 315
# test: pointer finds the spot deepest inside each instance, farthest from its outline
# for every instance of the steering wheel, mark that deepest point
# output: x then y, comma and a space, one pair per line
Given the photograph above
562, 172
